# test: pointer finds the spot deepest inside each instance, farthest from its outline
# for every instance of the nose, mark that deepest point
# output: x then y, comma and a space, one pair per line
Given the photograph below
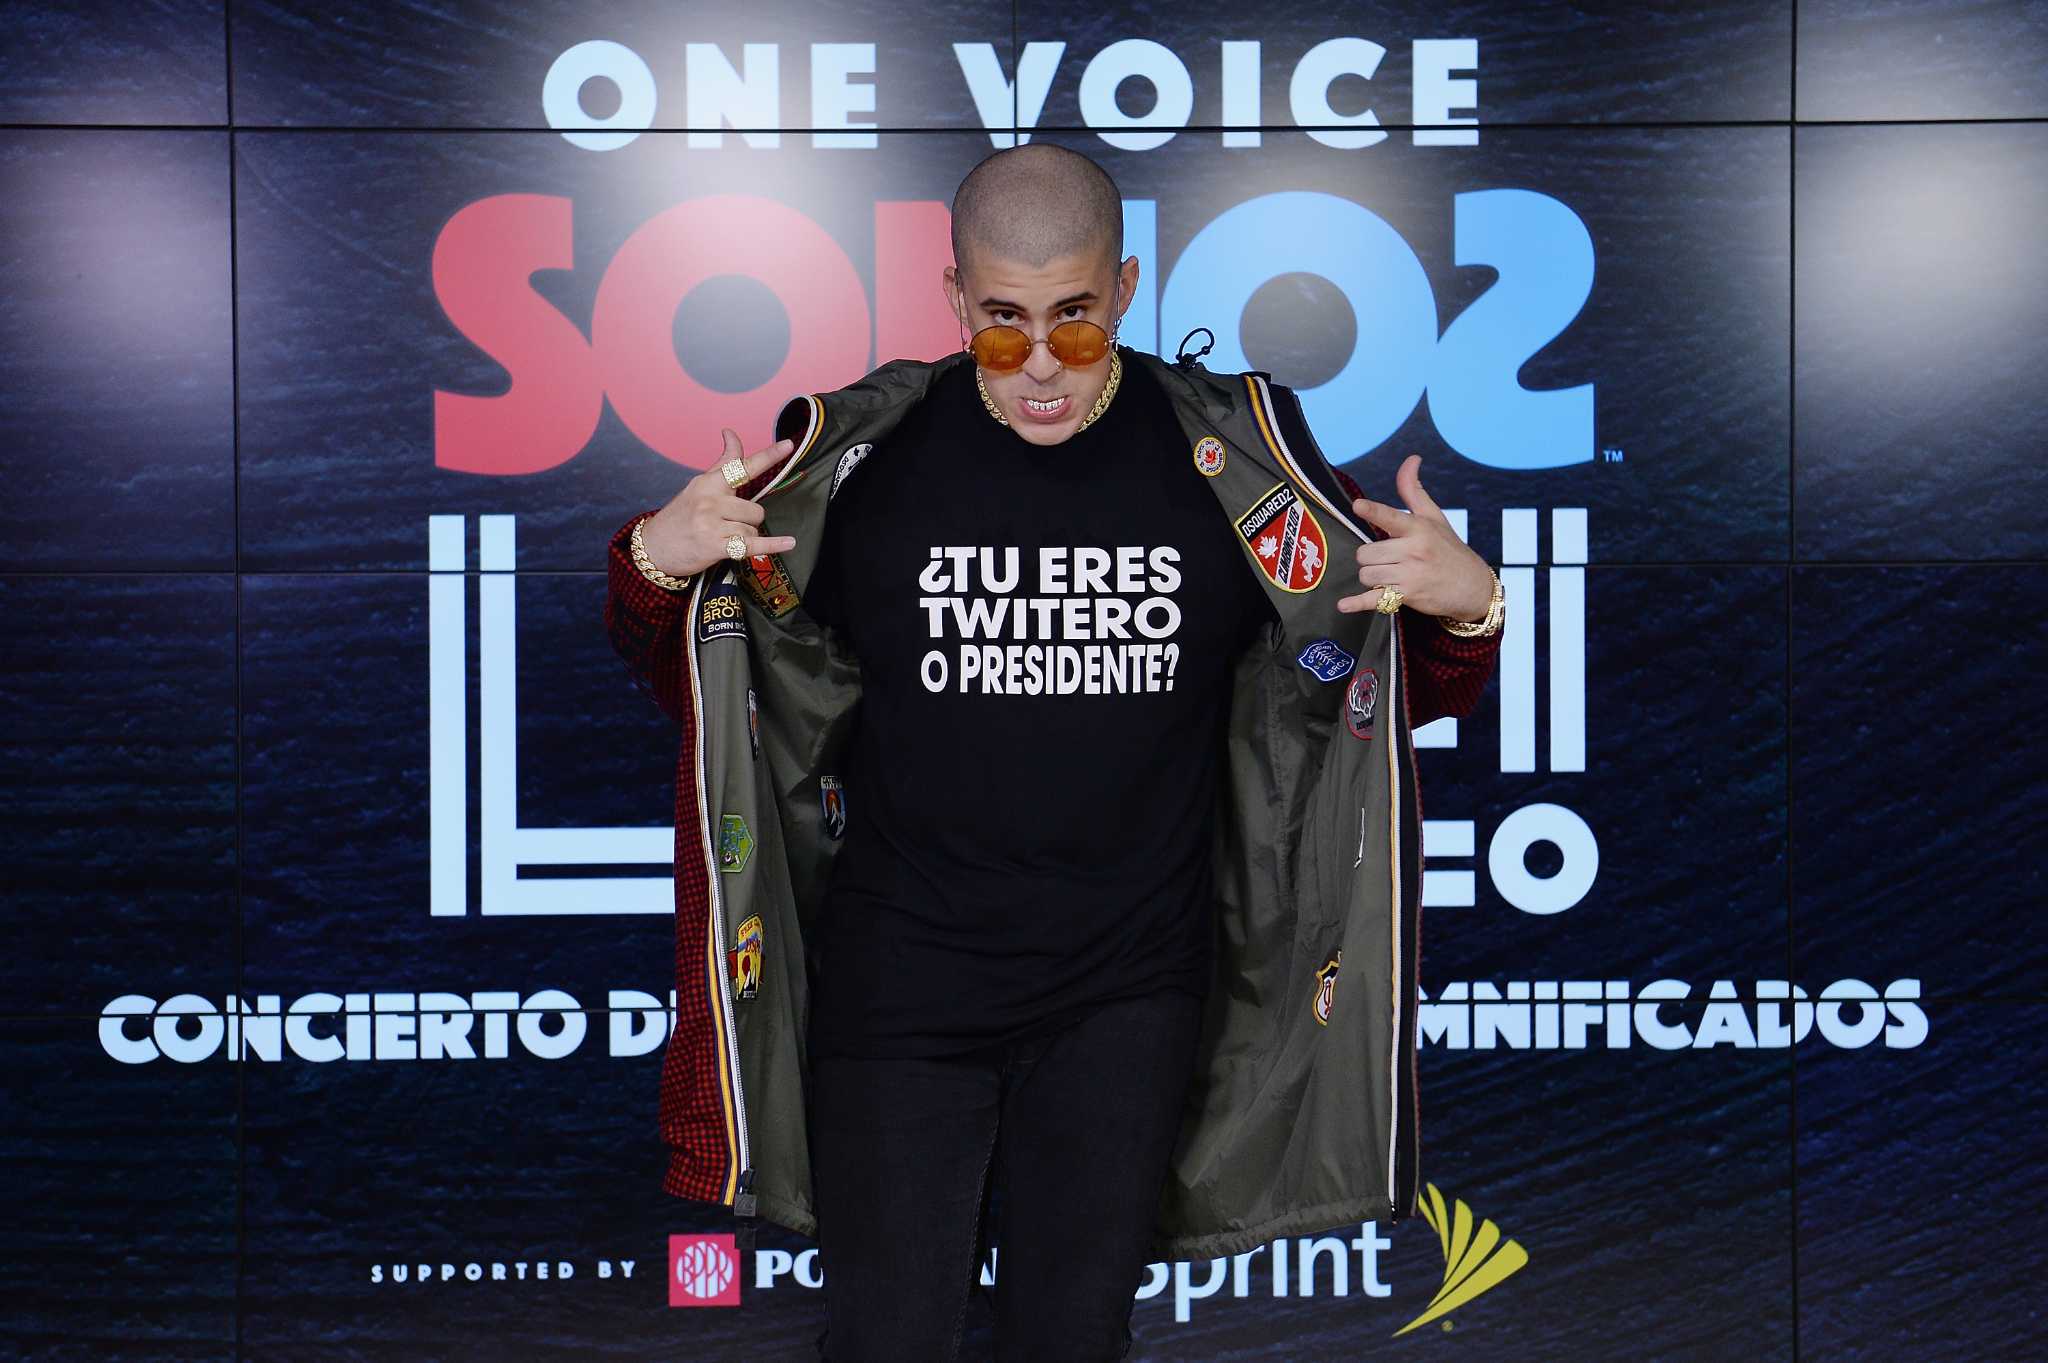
1042, 365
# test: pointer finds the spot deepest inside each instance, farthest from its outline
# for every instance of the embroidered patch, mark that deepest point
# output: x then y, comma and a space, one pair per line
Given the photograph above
1326, 659
745, 959
1359, 699
767, 581
1209, 455
1285, 538
753, 723
832, 799
722, 615
1326, 987
735, 843
854, 454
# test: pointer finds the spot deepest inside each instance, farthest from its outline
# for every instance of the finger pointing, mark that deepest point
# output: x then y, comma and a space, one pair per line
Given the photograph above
1381, 517
1408, 482
769, 456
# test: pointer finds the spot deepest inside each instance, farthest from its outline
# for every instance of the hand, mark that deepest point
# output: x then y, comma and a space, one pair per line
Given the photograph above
1438, 574
688, 535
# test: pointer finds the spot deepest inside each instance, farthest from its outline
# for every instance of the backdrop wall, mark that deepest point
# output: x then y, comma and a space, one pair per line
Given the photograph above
337, 339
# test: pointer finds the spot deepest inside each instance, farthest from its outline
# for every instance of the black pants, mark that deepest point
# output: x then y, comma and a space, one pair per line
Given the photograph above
1070, 1132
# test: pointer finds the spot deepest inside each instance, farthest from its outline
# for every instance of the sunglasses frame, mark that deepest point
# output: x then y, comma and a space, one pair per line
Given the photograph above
1069, 342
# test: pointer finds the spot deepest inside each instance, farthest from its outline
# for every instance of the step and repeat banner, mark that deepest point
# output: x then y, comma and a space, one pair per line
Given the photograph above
339, 338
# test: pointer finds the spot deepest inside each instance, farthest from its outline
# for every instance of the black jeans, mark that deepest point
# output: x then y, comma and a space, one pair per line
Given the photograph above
1077, 1128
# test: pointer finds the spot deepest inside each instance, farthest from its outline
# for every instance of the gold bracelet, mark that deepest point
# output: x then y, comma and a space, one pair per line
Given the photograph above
1490, 623
646, 564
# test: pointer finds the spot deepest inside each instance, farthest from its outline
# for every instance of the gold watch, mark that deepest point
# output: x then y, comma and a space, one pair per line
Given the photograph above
1490, 623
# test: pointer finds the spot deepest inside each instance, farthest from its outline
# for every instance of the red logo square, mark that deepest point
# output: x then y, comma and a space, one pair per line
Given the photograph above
703, 1270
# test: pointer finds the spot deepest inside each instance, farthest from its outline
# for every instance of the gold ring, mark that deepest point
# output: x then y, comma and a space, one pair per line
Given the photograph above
1390, 600
735, 472
735, 546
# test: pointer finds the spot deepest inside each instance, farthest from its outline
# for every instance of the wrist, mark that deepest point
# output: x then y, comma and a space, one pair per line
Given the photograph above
1473, 612
1488, 622
638, 548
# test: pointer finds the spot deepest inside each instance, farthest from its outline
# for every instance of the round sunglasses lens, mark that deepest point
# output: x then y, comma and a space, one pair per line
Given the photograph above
1078, 342
1001, 347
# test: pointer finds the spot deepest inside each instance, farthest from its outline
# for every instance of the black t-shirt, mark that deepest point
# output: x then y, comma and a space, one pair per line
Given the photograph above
1045, 636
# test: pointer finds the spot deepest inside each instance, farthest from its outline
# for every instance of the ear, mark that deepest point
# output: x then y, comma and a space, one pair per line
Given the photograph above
949, 285
1126, 283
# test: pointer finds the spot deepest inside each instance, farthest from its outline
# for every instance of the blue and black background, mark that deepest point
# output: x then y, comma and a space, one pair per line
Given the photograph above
1817, 331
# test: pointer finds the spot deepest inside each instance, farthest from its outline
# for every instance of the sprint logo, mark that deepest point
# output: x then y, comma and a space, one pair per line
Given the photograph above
1476, 1259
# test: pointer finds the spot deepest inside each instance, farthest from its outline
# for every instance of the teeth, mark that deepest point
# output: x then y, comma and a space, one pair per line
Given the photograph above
1038, 406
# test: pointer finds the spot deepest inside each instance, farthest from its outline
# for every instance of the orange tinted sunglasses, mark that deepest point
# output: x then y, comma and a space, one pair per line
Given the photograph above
1004, 347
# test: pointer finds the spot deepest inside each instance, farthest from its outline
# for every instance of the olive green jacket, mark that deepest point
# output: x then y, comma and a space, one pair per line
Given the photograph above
1304, 1112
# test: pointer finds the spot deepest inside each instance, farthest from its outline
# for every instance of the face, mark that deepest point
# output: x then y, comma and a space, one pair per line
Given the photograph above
1044, 401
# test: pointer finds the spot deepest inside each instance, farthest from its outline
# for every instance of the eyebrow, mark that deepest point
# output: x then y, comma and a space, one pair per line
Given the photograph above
995, 304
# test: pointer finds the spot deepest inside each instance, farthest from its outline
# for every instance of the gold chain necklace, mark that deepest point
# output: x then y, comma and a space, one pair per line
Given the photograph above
1116, 375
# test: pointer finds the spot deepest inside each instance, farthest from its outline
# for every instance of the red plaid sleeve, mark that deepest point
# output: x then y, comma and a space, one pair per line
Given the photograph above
645, 622
1446, 673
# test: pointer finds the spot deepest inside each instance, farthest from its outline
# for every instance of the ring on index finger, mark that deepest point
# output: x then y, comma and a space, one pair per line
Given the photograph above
735, 546
735, 472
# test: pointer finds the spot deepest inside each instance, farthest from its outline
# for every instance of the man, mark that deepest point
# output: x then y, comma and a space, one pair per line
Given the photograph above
1109, 771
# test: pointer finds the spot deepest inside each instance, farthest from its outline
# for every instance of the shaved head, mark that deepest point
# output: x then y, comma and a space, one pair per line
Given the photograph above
1037, 232
1035, 204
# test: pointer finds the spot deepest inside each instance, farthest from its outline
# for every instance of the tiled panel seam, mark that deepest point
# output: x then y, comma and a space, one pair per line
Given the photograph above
235, 453
88, 1022
954, 130
1791, 571
597, 574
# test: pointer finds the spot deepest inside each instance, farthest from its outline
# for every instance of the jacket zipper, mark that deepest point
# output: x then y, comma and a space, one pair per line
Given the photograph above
743, 1200
1399, 688
743, 1203
1408, 1081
